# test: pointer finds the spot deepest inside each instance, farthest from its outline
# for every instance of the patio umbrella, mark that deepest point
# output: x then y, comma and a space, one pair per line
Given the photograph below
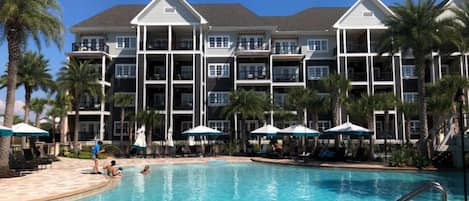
202, 131
26, 130
349, 129
4, 131
140, 141
267, 130
299, 131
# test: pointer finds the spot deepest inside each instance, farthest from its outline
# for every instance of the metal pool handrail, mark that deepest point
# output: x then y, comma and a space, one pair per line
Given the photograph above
427, 186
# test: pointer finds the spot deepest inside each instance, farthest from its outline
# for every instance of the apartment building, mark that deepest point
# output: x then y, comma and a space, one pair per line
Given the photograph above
183, 60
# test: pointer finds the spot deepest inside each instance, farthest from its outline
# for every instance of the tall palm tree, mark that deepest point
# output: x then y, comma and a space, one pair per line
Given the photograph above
80, 79
33, 74
151, 120
20, 20
461, 33
246, 104
338, 87
123, 101
414, 28
37, 106
316, 105
61, 104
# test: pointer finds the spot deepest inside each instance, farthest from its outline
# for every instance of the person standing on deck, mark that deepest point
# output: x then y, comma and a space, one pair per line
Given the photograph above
94, 156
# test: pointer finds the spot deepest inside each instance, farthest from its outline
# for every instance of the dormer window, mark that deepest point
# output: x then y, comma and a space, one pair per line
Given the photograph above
169, 10
367, 14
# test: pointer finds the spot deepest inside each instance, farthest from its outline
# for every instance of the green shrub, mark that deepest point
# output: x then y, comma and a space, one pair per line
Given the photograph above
112, 150
408, 156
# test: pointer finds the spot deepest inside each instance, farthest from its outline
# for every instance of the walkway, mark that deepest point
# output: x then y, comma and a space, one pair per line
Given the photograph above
66, 177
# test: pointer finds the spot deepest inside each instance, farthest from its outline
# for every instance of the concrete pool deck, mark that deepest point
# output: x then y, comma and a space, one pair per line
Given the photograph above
66, 177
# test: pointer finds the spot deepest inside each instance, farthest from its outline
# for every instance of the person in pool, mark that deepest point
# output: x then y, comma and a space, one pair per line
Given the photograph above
94, 156
146, 170
112, 170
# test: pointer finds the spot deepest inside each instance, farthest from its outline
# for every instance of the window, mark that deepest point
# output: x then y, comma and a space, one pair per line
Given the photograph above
410, 97
409, 71
286, 47
89, 127
317, 72
286, 73
414, 126
186, 125
252, 71
280, 99
318, 45
221, 125
169, 10
186, 99
367, 13
117, 128
218, 41
251, 43
92, 43
218, 98
132, 95
324, 125
219, 70
125, 71
126, 42
158, 100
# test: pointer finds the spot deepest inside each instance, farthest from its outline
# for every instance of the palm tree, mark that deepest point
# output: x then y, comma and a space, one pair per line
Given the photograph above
80, 79
408, 109
461, 34
440, 100
151, 120
55, 112
37, 106
414, 28
298, 99
338, 87
20, 20
363, 109
385, 102
61, 104
123, 101
246, 104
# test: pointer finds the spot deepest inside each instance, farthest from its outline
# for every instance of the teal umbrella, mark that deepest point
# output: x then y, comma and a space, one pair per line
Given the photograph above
26, 130
4, 131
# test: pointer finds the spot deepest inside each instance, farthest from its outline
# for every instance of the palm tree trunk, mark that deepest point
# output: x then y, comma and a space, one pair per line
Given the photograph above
76, 122
53, 130
27, 109
420, 61
315, 127
149, 141
386, 132
122, 128
243, 135
13, 57
371, 126
407, 130
62, 129
335, 117
37, 119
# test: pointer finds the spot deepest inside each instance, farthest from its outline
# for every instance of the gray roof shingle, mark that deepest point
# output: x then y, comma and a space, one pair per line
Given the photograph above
226, 15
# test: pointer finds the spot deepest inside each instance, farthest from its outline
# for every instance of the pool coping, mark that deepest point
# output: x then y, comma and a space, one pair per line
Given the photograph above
320, 164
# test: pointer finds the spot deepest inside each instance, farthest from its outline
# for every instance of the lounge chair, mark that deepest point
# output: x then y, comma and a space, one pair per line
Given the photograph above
19, 164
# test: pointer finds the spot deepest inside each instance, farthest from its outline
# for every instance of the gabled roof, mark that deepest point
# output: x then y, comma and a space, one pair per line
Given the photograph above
183, 2
229, 15
312, 18
378, 3
117, 16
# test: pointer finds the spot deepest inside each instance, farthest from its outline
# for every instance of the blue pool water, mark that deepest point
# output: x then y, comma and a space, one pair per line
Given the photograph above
219, 181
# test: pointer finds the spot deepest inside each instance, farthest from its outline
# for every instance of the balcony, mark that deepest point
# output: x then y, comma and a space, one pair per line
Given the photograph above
290, 49
183, 45
90, 105
156, 102
383, 76
357, 76
183, 72
90, 47
252, 49
286, 77
249, 75
157, 44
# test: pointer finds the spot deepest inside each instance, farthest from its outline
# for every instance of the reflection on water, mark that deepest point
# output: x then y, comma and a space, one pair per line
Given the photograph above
255, 182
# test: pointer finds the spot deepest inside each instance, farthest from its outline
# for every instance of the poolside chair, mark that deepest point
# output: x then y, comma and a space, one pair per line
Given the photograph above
30, 155
19, 164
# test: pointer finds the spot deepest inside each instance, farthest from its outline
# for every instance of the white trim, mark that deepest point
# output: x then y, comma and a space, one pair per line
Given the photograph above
128, 67
218, 93
135, 20
129, 37
386, 9
222, 46
310, 49
223, 69
323, 74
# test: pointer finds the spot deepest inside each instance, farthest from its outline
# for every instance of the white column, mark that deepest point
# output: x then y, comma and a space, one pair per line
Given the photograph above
170, 37
271, 89
145, 38
338, 49
103, 88
171, 98
368, 40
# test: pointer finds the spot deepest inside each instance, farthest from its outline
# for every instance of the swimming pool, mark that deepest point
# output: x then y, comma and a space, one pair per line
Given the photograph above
255, 182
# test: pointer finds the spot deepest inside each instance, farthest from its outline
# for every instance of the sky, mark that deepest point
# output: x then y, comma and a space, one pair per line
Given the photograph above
74, 12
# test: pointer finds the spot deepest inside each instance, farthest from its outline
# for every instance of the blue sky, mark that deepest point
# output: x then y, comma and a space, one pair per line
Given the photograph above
76, 11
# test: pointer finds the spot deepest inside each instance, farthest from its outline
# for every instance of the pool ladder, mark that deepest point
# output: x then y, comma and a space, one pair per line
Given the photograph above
427, 186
